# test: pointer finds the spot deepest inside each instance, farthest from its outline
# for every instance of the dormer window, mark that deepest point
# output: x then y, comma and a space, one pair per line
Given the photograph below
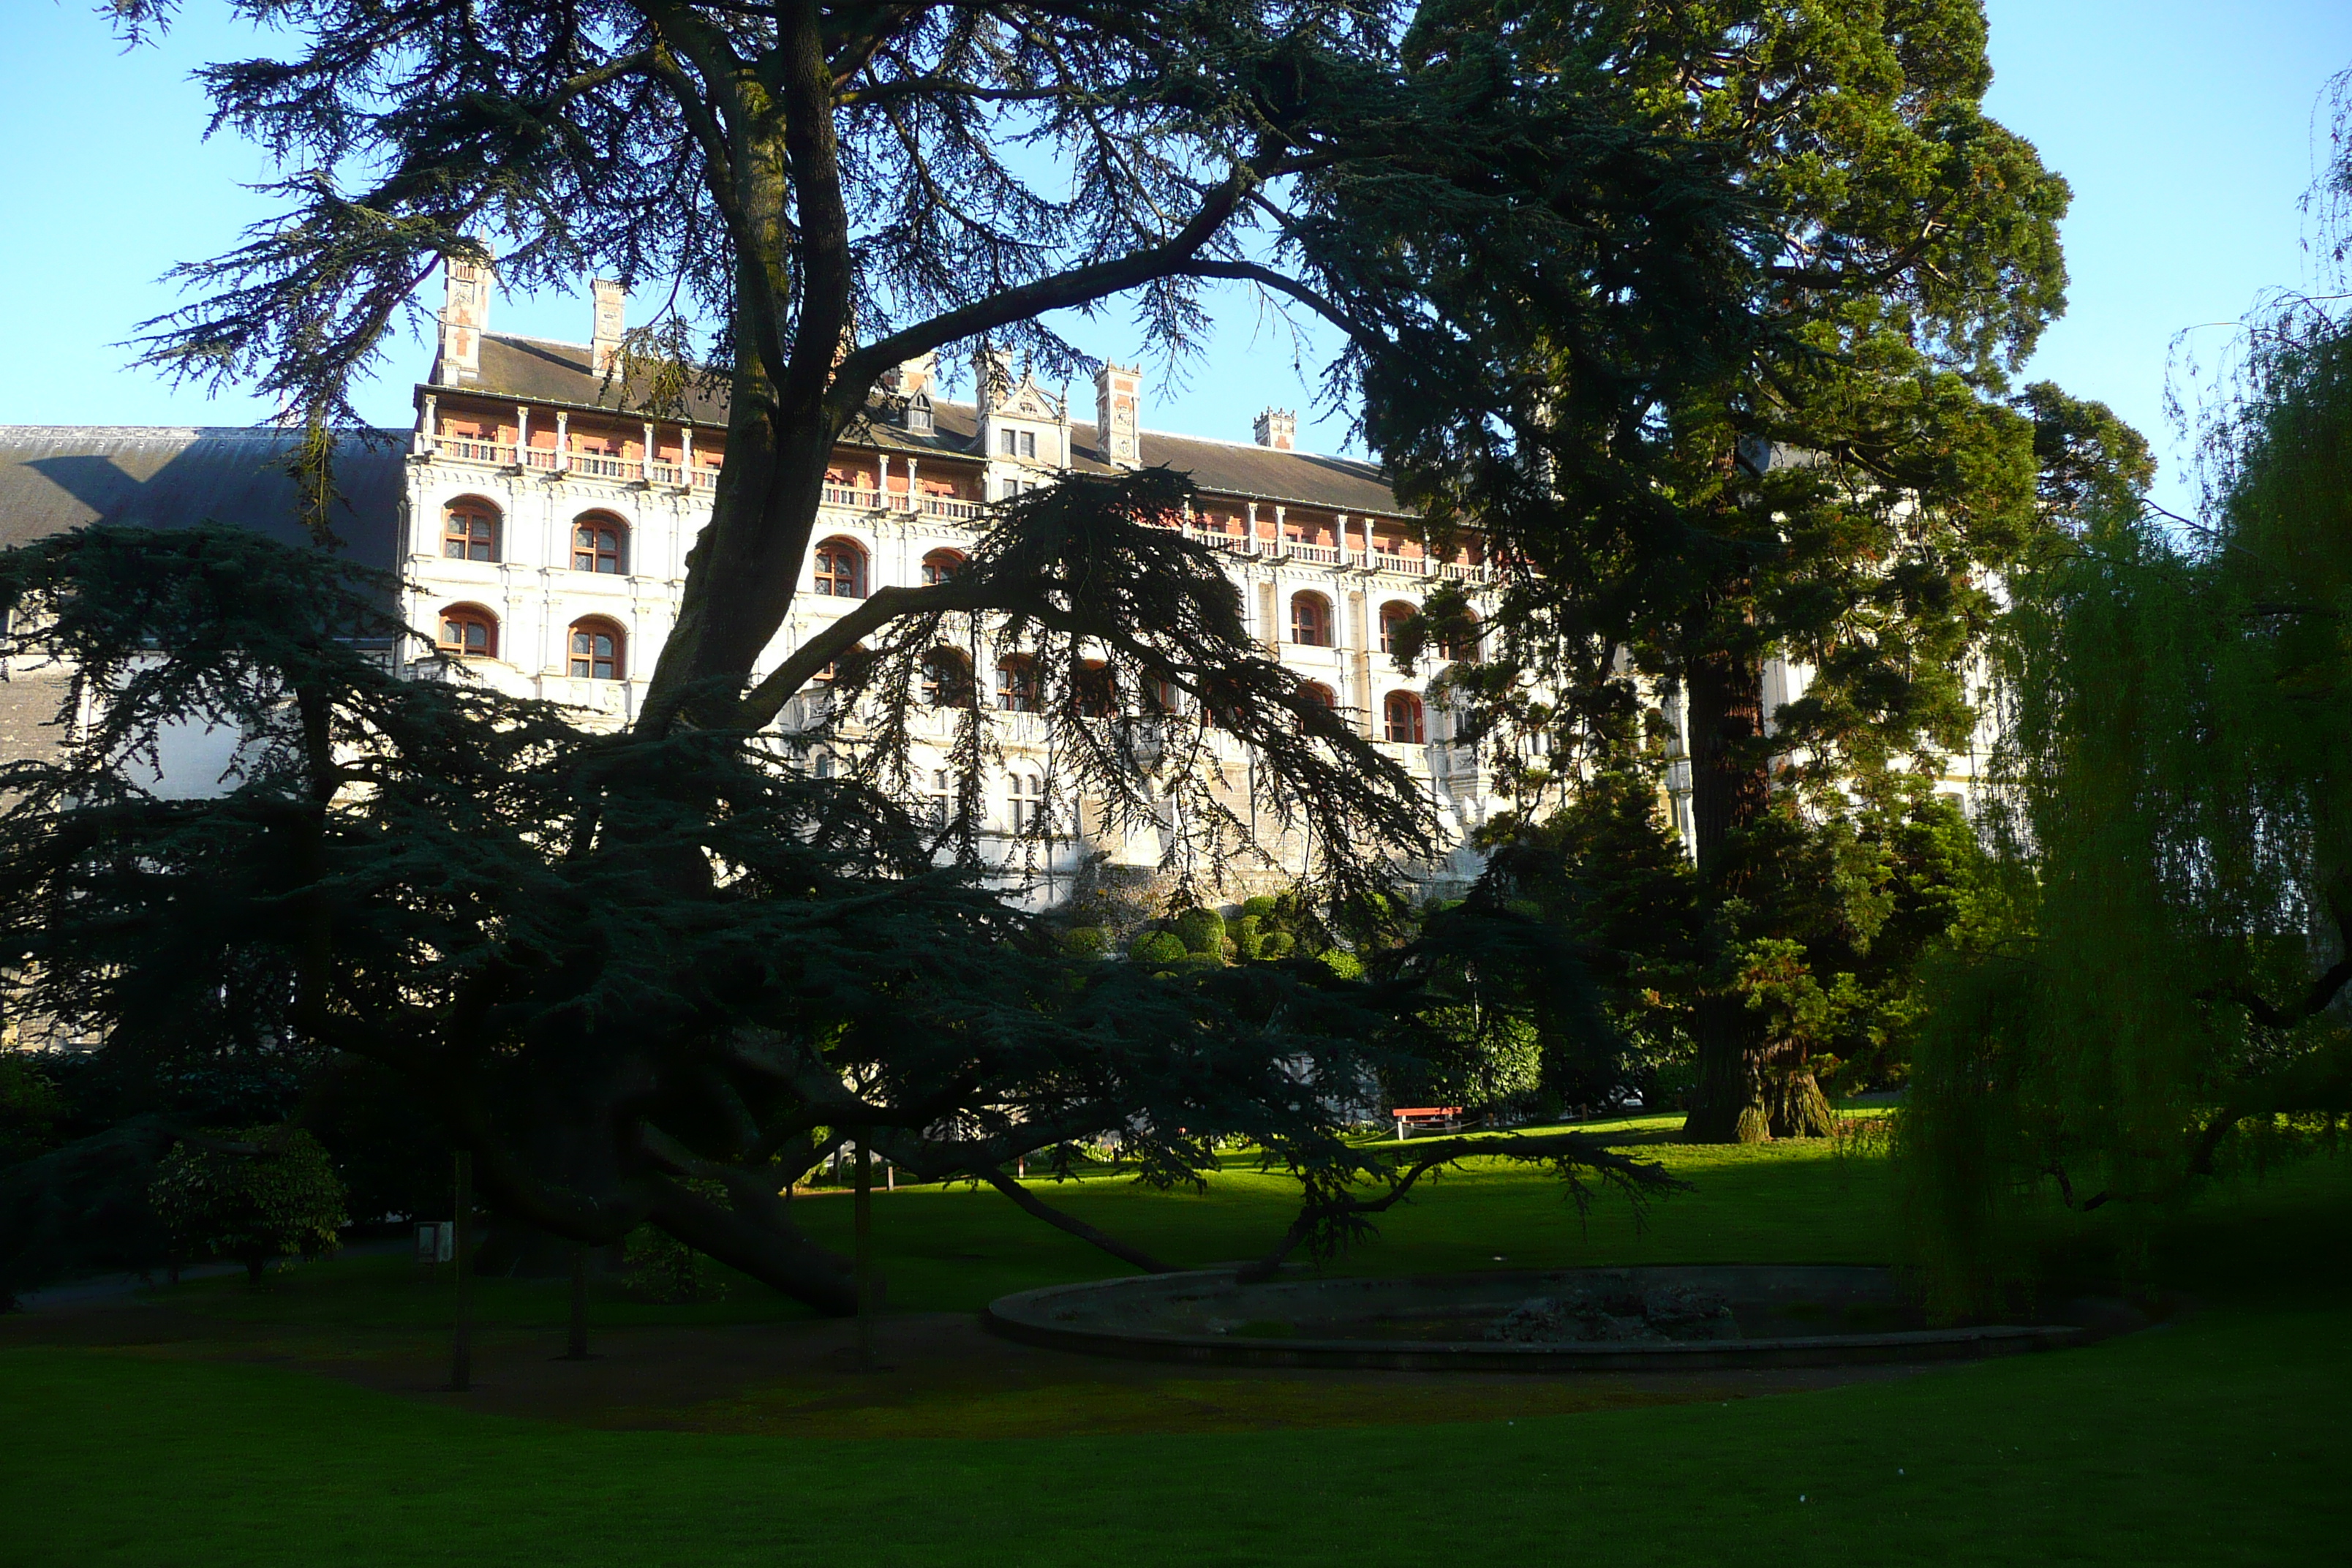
1020, 443
918, 415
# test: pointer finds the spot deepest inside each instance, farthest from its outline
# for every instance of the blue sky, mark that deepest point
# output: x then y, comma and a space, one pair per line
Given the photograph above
2188, 129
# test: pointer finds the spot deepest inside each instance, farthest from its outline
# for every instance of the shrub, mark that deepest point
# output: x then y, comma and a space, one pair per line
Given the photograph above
1202, 931
31, 1108
1276, 944
1159, 950
1086, 942
283, 1200
1247, 938
1342, 963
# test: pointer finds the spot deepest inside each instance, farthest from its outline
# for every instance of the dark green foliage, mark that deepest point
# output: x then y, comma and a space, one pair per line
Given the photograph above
31, 1108
254, 1195
82, 1208
1712, 443
611, 964
615, 964
386, 1139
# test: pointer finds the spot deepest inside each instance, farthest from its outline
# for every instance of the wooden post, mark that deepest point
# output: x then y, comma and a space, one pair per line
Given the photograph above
862, 1218
461, 1350
577, 1348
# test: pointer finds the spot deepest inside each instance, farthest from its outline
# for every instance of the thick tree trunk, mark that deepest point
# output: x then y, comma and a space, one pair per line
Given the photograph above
767, 1246
1723, 714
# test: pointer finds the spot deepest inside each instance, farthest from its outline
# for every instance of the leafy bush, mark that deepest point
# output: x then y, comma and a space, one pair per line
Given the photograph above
1086, 942
1203, 933
1159, 950
31, 1108
1248, 939
280, 1200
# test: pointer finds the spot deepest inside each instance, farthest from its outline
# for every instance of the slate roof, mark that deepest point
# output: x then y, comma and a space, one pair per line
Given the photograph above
54, 478
533, 370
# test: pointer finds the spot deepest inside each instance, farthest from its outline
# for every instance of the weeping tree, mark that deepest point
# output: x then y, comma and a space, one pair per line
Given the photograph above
632, 970
1794, 439
2177, 819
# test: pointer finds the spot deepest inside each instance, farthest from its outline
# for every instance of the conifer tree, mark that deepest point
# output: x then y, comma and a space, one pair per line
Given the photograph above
624, 967
1765, 415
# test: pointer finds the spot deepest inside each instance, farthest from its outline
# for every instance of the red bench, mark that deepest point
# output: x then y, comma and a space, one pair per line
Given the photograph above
1412, 1118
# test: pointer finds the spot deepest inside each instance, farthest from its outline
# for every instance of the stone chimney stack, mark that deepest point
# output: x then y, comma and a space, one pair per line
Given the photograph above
1277, 428
911, 376
465, 316
604, 342
992, 377
1118, 409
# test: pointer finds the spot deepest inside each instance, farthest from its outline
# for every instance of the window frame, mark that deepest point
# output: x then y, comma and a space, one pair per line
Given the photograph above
827, 554
465, 615
592, 627
1322, 613
1388, 623
932, 689
489, 515
1018, 688
1408, 704
603, 523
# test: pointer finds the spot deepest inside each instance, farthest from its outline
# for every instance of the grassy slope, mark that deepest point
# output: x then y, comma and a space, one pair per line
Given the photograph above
2211, 1440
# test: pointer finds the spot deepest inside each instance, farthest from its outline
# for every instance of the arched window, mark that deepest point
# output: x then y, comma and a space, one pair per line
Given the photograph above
468, 631
946, 677
939, 565
1097, 690
1315, 691
596, 545
1464, 646
1394, 615
1310, 620
1403, 724
469, 530
1028, 801
1016, 683
598, 650
841, 569
848, 665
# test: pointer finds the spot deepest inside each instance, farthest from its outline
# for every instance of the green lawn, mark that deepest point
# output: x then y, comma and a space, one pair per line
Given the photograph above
958, 1248
2214, 1439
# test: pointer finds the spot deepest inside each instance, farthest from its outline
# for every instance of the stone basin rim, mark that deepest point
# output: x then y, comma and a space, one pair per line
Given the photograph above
1024, 1317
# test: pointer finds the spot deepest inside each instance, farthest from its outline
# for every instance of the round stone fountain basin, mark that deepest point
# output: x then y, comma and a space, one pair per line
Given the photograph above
1679, 1317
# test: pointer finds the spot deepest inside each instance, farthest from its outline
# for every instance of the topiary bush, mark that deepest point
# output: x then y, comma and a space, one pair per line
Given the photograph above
1159, 950
1086, 942
1203, 933
1248, 939
282, 1199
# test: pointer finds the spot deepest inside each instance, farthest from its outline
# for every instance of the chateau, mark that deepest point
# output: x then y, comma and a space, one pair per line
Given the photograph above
541, 529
